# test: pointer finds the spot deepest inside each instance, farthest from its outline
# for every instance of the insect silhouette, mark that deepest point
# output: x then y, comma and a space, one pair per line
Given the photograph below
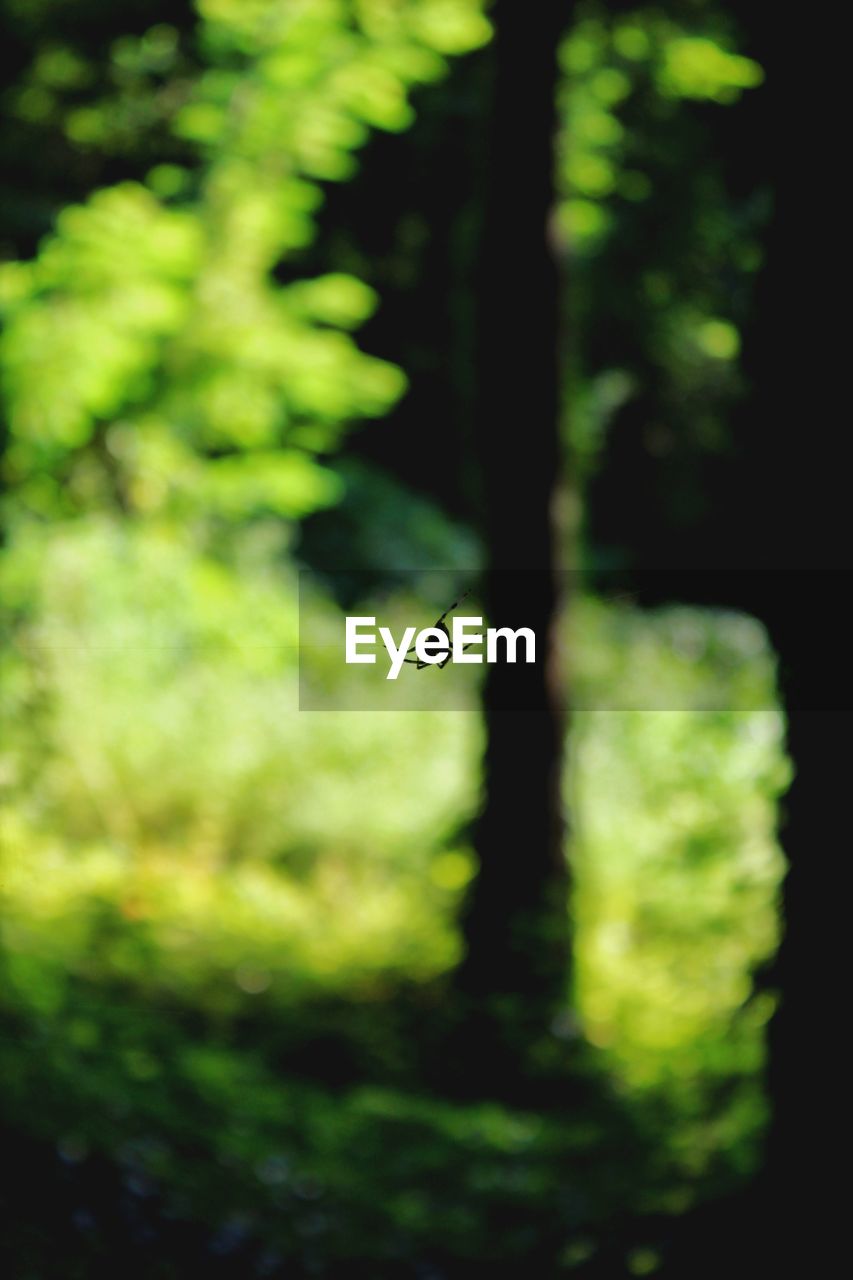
439, 626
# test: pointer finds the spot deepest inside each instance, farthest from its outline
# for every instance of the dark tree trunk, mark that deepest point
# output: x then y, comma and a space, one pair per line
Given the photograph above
516, 927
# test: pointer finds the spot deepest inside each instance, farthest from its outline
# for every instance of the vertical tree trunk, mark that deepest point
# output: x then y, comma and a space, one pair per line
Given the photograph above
516, 925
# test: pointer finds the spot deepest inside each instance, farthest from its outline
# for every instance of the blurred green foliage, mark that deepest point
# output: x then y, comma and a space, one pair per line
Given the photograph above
663, 234
207, 897
151, 358
174, 790
171, 824
677, 883
607, 61
188, 867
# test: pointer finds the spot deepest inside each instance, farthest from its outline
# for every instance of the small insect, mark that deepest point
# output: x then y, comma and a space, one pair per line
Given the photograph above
439, 626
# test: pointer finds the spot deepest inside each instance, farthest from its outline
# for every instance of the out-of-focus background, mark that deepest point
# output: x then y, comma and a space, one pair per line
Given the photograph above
235, 291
